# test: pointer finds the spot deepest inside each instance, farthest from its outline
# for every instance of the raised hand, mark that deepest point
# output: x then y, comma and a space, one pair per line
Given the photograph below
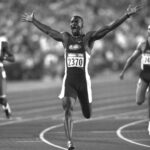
132, 10
27, 17
121, 76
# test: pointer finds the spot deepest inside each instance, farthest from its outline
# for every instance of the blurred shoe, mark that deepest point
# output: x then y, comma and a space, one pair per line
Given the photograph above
70, 145
7, 110
149, 127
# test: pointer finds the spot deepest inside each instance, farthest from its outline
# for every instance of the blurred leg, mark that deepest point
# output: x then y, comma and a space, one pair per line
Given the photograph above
148, 99
140, 91
3, 99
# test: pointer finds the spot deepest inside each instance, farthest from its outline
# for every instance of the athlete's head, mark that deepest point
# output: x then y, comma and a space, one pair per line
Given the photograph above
76, 24
148, 30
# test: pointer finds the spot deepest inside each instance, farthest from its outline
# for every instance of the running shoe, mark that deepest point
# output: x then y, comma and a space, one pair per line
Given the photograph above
70, 145
7, 110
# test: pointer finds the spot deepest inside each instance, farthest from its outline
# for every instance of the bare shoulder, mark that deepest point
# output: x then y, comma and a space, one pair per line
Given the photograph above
65, 33
65, 36
141, 46
89, 34
89, 37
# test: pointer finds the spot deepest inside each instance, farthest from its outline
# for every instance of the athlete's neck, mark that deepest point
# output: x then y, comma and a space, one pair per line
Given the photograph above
77, 36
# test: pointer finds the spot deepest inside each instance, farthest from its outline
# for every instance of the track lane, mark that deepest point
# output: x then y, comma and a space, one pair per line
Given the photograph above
40, 109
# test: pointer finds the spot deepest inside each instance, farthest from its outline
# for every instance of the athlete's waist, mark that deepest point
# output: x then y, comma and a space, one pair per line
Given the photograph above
146, 68
76, 72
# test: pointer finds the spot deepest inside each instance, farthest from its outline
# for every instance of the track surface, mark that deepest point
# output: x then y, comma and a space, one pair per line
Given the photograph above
117, 123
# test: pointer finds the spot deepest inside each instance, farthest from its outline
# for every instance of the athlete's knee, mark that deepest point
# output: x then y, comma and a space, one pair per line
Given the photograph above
67, 104
87, 113
140, 100
139, 103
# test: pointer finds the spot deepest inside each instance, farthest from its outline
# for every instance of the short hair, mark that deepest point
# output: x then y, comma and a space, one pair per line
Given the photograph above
79, 17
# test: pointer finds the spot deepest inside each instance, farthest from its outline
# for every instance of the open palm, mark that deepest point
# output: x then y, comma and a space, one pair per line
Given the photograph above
132, 10
28, 17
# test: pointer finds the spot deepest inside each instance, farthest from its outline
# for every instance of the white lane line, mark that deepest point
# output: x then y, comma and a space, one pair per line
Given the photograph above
29, 141
20, 120
48, 142
119, 133
41, 135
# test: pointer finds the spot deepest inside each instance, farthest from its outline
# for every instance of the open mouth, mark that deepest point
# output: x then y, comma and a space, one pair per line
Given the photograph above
74, 27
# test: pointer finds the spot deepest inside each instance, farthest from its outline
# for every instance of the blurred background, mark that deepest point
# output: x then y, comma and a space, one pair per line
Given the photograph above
39, 57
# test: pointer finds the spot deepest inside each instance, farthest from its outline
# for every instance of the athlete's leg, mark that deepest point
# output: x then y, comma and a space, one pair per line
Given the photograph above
3, 100
5, 106
86, 107
148, 99
85, 99
68, 103
141, 91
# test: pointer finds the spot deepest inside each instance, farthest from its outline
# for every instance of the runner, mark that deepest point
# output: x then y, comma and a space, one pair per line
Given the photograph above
5, 55
143, 85
78, 46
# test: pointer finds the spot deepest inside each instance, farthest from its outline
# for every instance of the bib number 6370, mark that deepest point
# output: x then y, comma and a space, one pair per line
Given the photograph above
75, 61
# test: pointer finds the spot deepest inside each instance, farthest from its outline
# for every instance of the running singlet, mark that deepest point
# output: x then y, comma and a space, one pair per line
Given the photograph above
76, 81
76, 58
145, 60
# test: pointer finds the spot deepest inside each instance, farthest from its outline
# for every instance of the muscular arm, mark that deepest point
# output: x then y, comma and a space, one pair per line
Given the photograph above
131, 60
48, 30
108, 28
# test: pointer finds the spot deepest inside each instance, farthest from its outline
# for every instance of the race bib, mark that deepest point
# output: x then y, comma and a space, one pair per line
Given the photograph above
146, 59
75, 60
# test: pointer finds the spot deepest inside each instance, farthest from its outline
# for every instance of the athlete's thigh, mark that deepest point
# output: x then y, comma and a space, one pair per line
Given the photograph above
2, 83
86, 104
68, 103
140, 91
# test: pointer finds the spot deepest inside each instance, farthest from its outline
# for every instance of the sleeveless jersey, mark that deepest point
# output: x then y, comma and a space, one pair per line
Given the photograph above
145, 59
76, 58
76, 67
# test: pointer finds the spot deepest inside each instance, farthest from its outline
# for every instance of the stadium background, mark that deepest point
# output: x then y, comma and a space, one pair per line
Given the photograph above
40, 57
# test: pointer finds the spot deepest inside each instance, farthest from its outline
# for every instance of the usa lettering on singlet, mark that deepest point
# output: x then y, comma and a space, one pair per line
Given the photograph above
76, 59
75, 53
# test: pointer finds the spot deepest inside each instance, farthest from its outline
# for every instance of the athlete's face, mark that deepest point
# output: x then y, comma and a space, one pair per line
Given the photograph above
76, 25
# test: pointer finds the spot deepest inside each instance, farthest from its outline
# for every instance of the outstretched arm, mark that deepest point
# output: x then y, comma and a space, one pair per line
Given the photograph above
106, 29
44, 28
131, 60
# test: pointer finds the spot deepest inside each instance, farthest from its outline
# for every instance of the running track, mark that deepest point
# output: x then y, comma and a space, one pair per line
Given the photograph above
117, 123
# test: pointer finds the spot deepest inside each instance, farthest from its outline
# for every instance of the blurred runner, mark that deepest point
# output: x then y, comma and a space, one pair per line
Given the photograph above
5, 55
143, 85
78, 46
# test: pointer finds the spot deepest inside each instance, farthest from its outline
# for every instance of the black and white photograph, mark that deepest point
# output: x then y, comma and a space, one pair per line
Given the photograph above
75, 74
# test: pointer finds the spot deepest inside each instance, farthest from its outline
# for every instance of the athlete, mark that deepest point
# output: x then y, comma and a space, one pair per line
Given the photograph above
5, 55
78, 46
143, 85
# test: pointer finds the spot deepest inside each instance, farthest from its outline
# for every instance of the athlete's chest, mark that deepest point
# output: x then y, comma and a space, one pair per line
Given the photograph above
146, 54
76, 45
